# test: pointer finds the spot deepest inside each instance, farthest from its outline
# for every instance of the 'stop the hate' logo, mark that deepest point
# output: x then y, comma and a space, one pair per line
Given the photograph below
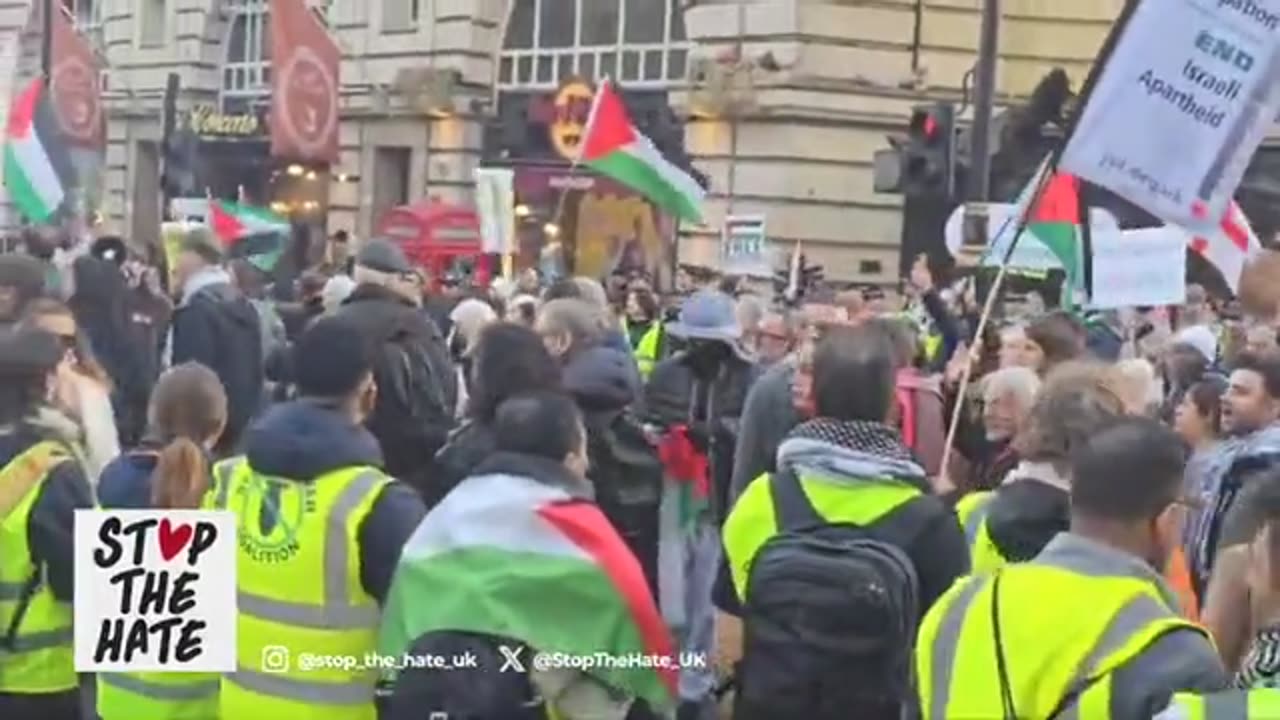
155, 591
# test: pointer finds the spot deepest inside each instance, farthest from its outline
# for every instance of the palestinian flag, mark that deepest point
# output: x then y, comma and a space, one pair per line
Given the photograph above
1053, 219
37, 166
511, 557
614, 147
249, 232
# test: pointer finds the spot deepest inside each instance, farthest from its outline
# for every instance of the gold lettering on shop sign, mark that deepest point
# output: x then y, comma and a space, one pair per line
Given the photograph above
204, 120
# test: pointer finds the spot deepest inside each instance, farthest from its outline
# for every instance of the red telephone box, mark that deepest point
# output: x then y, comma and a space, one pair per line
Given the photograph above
438, 237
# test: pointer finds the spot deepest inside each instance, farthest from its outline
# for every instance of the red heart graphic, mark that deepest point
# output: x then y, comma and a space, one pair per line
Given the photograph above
173, 539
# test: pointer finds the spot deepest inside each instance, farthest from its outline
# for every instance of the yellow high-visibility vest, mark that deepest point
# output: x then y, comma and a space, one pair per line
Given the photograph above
752, 521
1259, 704
42, 658
972, 510
158, 696
1063, 632
299, 594
647, 349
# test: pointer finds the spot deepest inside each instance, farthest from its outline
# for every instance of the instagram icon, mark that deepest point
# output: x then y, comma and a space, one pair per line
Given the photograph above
275, 659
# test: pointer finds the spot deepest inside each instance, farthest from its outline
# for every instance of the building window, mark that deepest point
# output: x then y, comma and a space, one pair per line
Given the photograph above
400, 15
153, 20
636, 42
391, 167
246, 72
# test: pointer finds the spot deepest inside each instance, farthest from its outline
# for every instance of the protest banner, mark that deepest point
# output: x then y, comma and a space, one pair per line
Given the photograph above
155, 591
1181, 103
495, 204
744, 247
1132, 268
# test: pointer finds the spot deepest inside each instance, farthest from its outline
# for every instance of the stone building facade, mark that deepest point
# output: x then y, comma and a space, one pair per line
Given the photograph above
783, 102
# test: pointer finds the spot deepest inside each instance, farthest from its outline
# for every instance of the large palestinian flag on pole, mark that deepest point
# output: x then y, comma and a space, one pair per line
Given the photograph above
613, 146
511, 557
249, 232
37, 166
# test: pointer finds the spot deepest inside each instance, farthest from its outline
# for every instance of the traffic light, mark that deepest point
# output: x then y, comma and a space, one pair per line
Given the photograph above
928, 161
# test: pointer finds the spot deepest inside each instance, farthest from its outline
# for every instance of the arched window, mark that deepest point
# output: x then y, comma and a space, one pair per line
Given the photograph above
246, 71
636, 42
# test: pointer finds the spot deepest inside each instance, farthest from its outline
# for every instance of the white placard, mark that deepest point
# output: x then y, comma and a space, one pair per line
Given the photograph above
744, 247
155, 590
495, 204
1181, 105
1139, 267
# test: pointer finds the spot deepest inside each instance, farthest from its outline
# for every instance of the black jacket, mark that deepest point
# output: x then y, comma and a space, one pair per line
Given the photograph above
1024, 516
674, 396
220, 329
414, 412
467, 447
129, 354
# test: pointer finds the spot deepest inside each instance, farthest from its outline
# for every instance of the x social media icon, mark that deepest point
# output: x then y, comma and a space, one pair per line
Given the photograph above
511, 659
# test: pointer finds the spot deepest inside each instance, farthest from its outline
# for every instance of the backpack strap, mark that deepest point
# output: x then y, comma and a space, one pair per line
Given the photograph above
902, 524
791, 507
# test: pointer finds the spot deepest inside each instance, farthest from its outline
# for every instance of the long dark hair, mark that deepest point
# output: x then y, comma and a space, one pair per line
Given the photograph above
508, 359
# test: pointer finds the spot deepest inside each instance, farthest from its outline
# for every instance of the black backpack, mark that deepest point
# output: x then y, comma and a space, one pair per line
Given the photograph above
830, 613
627, 475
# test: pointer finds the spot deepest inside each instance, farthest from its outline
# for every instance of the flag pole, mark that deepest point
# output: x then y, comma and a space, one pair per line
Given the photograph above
1086, 91
47, 8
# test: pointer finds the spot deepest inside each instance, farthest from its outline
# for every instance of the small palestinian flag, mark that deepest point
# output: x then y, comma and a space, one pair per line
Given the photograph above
249, 232
613, 146
37, 166
515, 558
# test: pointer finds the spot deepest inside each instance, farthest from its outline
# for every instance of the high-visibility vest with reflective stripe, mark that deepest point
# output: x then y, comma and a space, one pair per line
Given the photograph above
1063, 631
41, 659
752, 521
1259, 704
932, 346
972, 510
298, 592
646, 351
158, 696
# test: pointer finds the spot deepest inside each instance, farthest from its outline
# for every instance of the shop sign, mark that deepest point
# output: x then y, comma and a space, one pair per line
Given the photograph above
572, 107
205, 122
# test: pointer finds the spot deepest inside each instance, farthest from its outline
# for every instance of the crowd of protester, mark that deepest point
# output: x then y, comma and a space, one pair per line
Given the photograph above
1100, 539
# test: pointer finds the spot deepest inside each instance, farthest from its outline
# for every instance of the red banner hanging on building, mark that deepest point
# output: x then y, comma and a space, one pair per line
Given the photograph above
76, 92
304, 85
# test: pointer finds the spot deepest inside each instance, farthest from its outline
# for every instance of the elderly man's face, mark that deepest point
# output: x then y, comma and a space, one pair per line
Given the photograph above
1002, 415
773, 342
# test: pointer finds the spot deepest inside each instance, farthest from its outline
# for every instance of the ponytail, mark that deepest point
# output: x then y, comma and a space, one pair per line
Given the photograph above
181, 476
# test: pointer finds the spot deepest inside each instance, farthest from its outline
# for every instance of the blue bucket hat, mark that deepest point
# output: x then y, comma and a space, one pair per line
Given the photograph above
707, 315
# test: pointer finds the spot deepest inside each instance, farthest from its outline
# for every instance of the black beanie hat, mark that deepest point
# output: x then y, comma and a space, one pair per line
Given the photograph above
330, 359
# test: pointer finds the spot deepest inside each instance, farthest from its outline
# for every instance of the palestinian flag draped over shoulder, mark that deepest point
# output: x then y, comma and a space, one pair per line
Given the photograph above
512, 557
613, 146
249, 232
37, 166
